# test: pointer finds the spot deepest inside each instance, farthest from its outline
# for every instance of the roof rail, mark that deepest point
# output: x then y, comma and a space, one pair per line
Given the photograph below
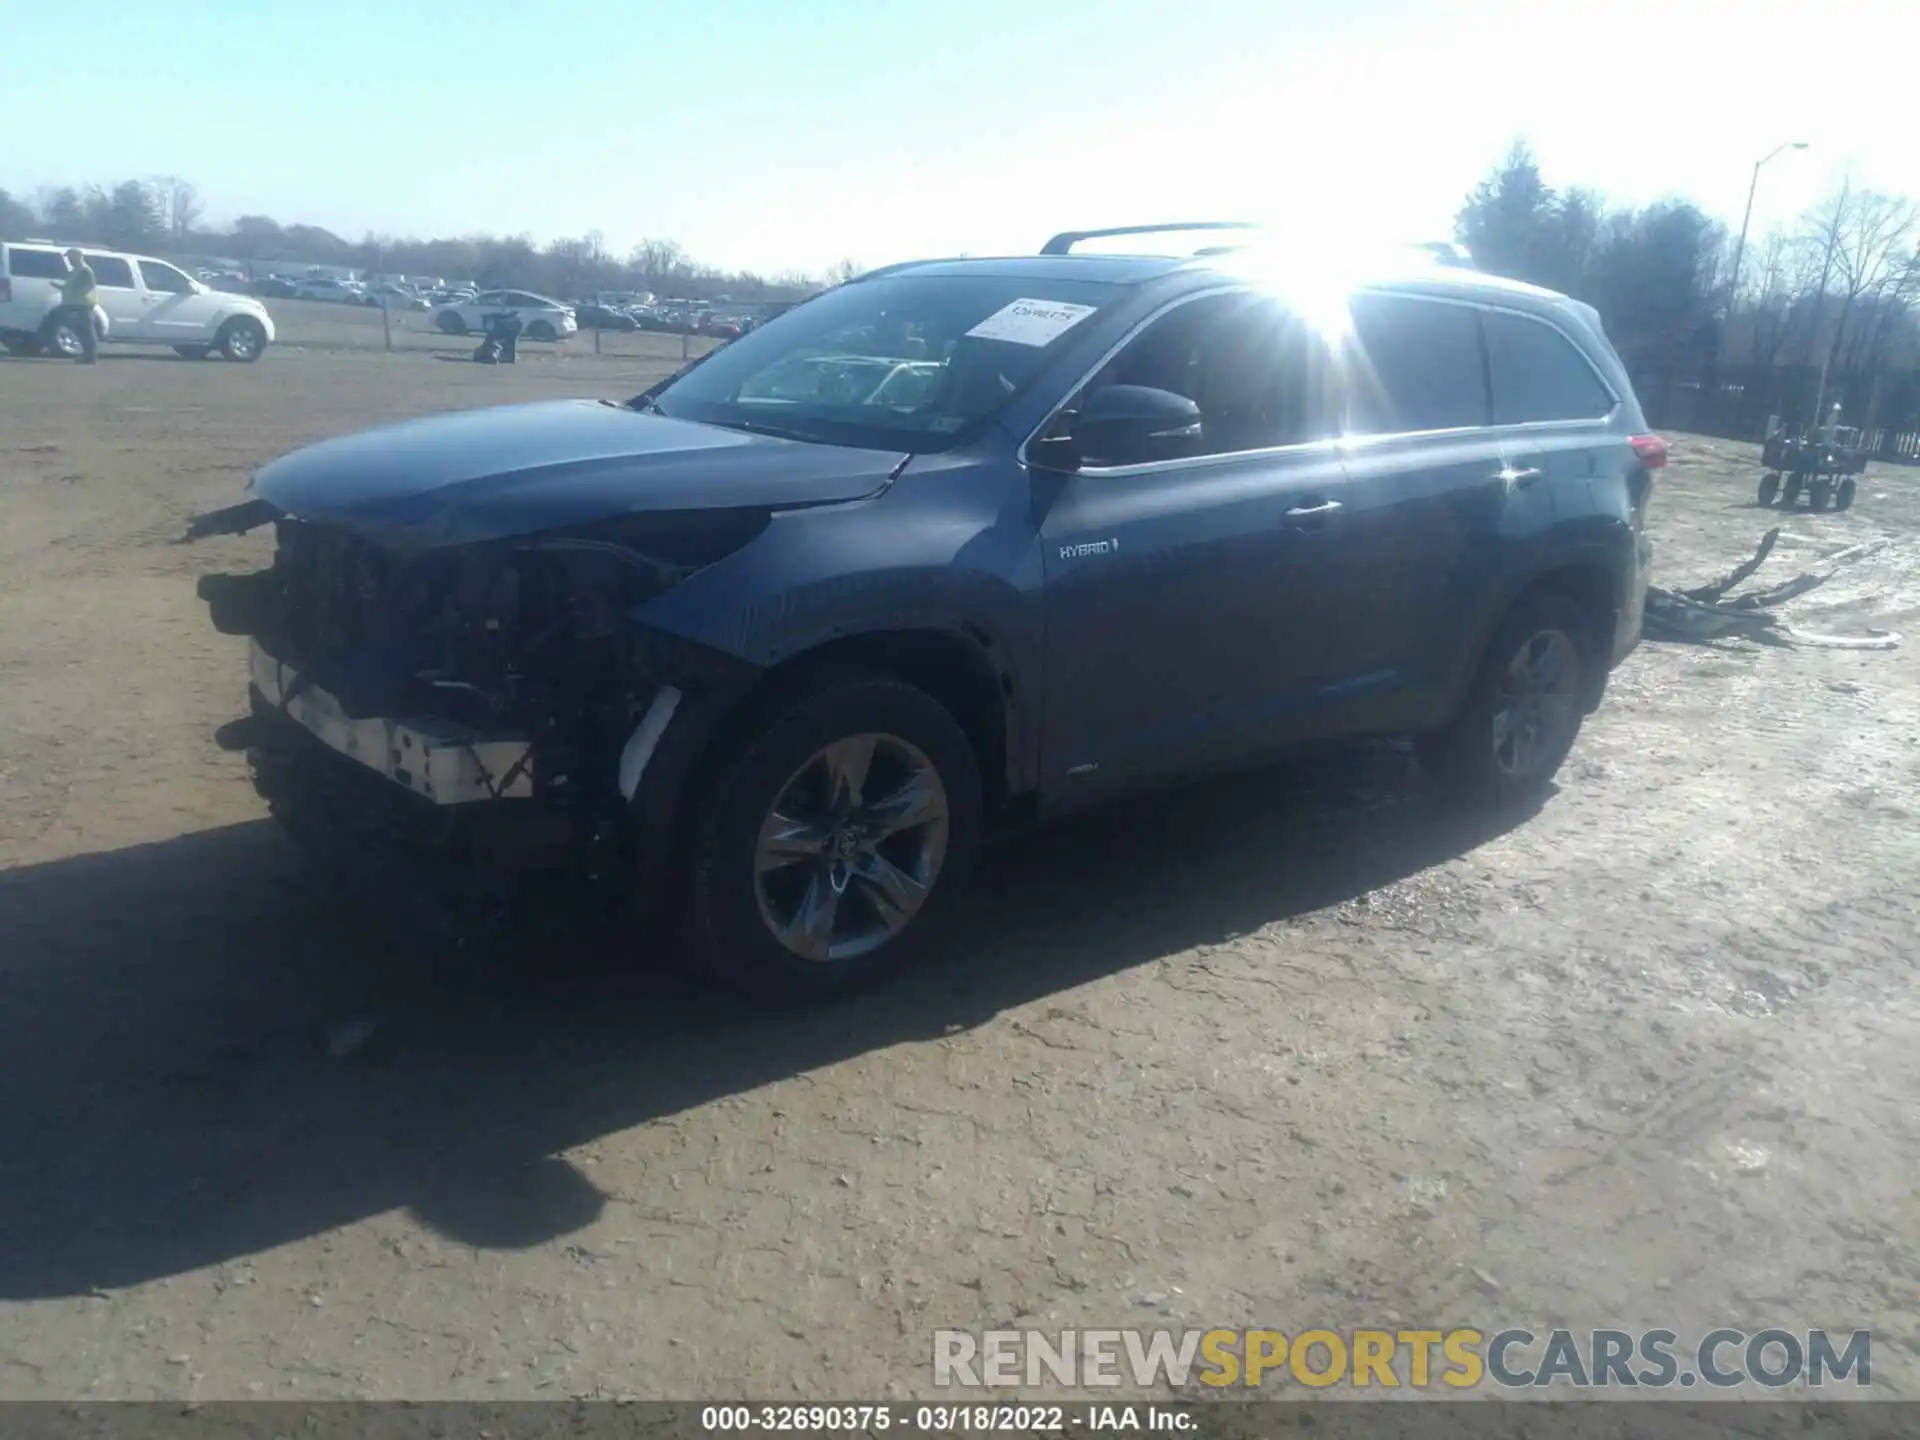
1457, 256
1063, 243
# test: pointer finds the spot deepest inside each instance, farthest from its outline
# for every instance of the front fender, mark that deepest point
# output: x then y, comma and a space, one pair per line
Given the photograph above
950, 546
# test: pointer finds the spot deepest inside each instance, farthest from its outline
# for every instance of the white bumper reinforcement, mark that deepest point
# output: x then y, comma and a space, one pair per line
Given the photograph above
437, 759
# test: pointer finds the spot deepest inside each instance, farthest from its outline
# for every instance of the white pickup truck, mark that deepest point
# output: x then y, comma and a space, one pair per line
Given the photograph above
145, 301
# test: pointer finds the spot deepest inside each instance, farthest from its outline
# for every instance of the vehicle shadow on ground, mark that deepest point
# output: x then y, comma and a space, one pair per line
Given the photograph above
167, 1013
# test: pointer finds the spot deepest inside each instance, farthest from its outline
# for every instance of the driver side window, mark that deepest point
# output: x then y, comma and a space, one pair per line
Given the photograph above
1259, 376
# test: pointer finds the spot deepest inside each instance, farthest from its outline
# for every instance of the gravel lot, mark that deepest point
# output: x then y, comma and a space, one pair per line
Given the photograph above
1305, 1049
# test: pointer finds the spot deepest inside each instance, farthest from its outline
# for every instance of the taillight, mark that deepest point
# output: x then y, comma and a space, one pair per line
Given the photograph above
1649, 450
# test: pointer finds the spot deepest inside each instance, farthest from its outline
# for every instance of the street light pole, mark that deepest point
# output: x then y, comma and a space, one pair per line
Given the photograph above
1740, 245
1712, 392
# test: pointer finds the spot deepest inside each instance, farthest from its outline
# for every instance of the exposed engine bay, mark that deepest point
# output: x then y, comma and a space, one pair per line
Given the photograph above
521, 656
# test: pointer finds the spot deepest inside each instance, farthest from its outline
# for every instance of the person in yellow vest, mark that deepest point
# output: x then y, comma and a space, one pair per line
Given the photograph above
79, 294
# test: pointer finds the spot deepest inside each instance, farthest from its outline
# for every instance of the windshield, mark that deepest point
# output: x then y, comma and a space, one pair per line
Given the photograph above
903, 363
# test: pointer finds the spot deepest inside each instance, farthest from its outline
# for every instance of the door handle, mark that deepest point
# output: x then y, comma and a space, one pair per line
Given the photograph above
1307, 512
1507, 475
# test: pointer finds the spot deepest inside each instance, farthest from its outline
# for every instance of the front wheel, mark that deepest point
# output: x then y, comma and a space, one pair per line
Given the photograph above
834, 843
1843, 496
541, 330
1524, 707
450, 323
241, 338
1769, 489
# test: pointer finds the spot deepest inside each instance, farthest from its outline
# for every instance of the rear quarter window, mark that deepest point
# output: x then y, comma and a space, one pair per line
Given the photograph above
26, 264
1538, 374
1416, 366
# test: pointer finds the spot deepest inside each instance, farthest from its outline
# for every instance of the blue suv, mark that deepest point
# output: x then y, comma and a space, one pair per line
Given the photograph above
960, 541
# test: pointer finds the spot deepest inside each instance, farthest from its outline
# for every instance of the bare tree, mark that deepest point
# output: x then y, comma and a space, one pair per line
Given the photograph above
177, 205
1865, 242
659, 260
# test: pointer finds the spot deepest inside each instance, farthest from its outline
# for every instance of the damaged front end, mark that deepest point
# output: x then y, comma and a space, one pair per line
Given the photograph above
496, 700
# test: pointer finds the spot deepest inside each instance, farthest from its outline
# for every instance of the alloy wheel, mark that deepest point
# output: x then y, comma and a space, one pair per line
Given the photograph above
1537, 707
851, 848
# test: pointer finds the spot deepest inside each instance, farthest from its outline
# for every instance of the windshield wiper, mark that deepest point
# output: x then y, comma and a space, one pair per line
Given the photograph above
777, 432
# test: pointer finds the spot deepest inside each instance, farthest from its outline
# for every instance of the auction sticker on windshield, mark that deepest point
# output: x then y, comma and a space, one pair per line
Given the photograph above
1030, 322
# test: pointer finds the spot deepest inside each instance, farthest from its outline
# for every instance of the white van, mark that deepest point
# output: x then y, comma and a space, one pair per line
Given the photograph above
146, 301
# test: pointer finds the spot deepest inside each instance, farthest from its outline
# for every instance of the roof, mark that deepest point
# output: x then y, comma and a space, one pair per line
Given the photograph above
1398, 271
1110, 269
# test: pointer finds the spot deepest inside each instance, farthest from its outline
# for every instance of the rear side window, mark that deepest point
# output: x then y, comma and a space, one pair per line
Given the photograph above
1538, 374
111, 270
27, 264
1418, 366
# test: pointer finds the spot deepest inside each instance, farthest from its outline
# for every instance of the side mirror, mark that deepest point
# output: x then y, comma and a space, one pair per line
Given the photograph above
1125, 425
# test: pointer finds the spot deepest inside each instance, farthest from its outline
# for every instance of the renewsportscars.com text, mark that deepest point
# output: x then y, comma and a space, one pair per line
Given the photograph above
1456, 1358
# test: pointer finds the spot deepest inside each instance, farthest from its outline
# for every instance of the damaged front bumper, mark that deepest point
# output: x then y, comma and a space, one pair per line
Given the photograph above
438, 760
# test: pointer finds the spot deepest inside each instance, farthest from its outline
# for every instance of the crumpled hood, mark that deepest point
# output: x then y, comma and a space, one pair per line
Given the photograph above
521, 469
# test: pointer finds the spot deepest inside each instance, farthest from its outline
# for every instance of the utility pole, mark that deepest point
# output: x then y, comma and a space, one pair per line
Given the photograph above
1740, 245
1712, 396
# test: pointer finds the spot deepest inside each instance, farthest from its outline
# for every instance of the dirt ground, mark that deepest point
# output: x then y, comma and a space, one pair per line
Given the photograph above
1303, 1049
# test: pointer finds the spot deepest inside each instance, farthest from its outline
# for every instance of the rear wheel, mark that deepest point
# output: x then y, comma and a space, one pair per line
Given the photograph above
541, 330
450, 323
1524, 707
834, 842
1769, 488
1818, 493
1790, 493
241, 338
58, 337
1843, 496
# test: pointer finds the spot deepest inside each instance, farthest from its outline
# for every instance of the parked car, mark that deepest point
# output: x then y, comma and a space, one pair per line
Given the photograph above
394, 297
604, 317
327, 287
540, 317
273, 287
146, 301
774, 643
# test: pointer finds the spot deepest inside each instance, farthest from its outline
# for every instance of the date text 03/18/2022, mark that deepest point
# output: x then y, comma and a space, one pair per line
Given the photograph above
962, 1419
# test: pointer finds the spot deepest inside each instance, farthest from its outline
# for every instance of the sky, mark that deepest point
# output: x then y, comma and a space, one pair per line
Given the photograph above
776, 134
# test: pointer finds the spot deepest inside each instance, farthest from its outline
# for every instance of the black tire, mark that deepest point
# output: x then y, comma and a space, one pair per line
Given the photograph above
731, 906
1843, 496
193, 352
242, 339
449, 322
541, 330
1790, 493
1769, 489
22, 347
59, 338
1466, 757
